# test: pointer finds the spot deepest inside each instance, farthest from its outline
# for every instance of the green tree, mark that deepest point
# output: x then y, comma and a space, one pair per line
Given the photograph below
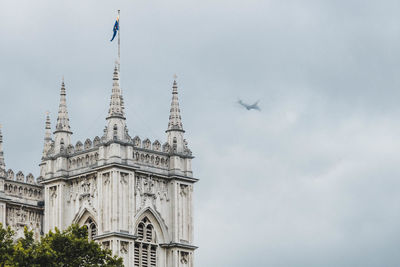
68, 248
6, 245
24, 250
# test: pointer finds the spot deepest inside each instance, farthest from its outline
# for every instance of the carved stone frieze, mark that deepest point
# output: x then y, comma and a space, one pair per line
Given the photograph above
149, 189
84, 190
19, 217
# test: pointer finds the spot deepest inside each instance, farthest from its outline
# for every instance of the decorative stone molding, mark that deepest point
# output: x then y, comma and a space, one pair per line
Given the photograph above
19, 216
30, 179
84, 190
53, 192
23, 190
10, 174
106, 178
149, 189
20, 177
184, 257
151, 159
124, 247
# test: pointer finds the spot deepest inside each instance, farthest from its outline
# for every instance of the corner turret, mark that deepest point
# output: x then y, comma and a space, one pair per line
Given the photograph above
47, 136
116, 121
62, 134
175, 128
181, 155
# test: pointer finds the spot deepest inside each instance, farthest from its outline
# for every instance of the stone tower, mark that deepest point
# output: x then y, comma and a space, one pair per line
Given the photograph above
134, 195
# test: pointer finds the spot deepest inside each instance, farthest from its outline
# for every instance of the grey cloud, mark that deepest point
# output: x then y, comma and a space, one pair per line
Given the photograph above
312, 180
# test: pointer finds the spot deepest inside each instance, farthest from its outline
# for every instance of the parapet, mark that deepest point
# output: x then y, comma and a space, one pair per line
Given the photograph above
146, 144
20, 177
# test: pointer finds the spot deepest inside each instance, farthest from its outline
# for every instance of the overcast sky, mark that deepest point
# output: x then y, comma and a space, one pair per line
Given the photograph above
311, 180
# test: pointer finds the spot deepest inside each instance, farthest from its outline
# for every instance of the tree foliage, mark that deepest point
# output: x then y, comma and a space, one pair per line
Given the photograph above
68, 248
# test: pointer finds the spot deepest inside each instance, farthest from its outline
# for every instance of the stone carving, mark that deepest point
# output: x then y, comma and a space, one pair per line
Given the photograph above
70, 149
136, 141
148, 189
10, 174
151, 159
70, 190
106, 245
166, 148
84, 189
96, 141
26, 190
106, 178
124, 178
53, 192
88, 144
78, 146
19, 217
20, 177
146, 144
184, 189
85, 186
184, 257
156, 145
85, 160
30, 179
124, 247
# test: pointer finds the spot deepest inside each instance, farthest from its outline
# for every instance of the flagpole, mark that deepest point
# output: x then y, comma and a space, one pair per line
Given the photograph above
119, 42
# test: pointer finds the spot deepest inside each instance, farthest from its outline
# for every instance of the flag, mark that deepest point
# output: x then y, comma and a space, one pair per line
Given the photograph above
116, 28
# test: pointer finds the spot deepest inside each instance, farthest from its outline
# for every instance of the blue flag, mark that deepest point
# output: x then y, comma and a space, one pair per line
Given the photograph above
115, 29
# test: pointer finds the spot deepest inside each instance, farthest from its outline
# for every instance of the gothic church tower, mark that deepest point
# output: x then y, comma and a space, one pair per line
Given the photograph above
134, 195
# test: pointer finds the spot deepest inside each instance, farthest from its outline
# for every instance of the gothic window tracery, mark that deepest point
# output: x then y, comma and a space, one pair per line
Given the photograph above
62, 144
92, 228
115, 133
146, 245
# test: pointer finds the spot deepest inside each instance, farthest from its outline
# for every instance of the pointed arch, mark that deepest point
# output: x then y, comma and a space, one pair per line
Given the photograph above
83, 214
161, 230
86, 217
151, 232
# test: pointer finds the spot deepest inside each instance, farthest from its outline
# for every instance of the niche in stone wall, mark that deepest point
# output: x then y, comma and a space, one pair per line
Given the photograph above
184, 258
184, 213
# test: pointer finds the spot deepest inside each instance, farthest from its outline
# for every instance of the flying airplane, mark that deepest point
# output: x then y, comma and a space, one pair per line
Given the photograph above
249, 107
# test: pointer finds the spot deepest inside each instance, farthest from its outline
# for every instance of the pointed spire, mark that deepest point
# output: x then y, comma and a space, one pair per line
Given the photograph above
2, 164
63, 120
117, 108
62, 134
175, 121
47, 135
48, 128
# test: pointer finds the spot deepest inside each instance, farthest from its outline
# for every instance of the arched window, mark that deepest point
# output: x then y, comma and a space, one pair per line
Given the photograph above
145, 245
175, 144
115, 133
62, 144
92, 228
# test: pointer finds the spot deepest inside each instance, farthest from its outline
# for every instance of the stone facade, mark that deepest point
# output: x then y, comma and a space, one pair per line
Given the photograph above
134, 195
